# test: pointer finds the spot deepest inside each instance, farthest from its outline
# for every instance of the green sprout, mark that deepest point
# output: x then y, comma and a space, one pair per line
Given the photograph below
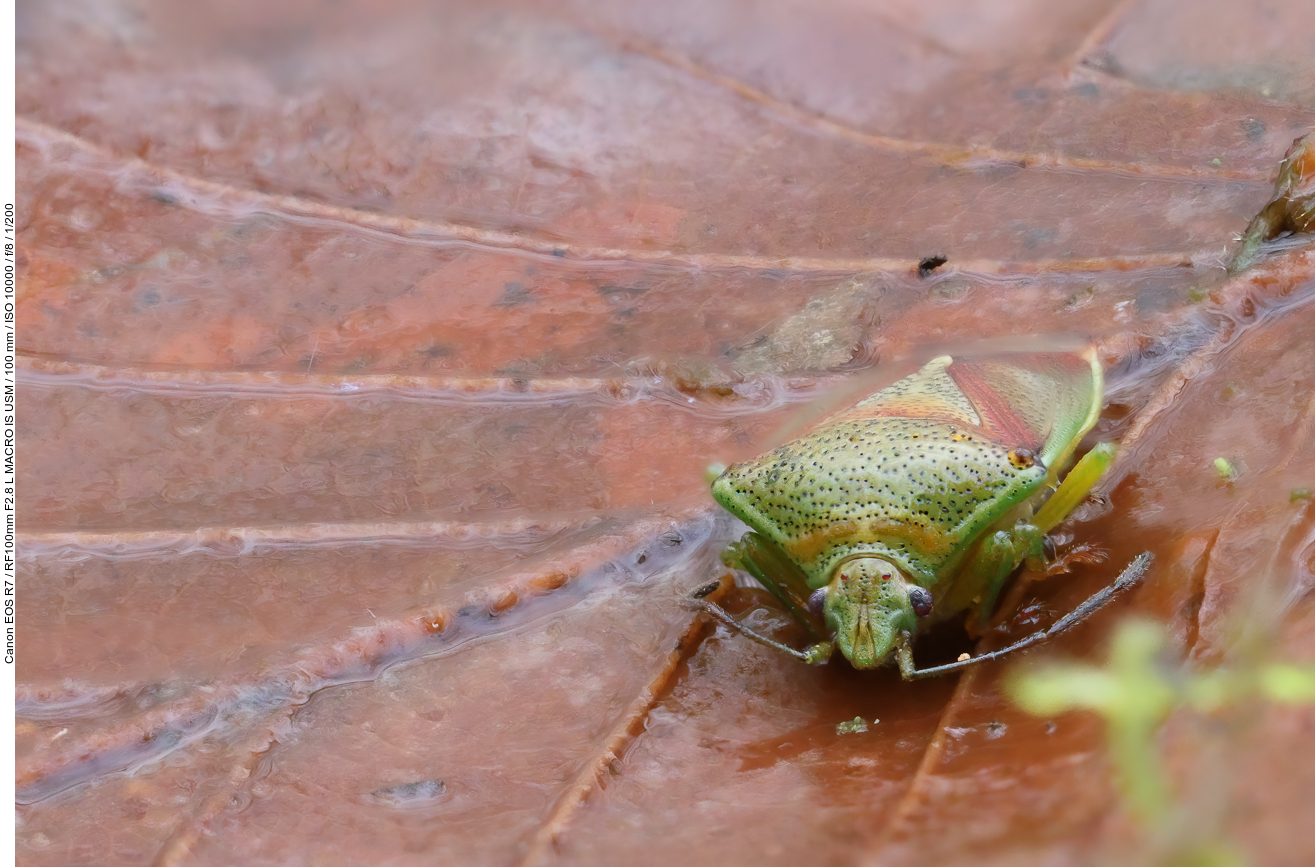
856, 726
1226, 469
1135, 691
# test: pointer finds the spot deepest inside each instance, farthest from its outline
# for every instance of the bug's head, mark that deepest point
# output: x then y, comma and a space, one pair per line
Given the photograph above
867, 605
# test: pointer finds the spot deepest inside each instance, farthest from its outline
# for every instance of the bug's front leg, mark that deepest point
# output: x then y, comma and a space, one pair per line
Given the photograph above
1130, 575
813, 654
769, 565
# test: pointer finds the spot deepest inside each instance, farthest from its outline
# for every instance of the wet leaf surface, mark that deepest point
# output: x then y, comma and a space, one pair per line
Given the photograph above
371, 355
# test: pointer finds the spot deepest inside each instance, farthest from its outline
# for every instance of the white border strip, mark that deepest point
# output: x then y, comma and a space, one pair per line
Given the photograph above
8, 229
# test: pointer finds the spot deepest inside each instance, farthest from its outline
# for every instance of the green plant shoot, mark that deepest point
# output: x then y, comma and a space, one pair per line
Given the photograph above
1135, 691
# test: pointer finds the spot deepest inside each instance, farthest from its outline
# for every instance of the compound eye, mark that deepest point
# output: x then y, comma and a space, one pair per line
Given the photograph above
920, 599
817, 601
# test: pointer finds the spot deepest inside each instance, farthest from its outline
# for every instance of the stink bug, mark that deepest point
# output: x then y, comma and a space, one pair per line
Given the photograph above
918, 504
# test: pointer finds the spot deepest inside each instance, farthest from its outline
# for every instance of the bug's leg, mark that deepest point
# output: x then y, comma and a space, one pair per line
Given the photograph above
814, 654
904, 656
771, 568
1077, 484
1131, 574
1001, 552
995, 560
1068, 496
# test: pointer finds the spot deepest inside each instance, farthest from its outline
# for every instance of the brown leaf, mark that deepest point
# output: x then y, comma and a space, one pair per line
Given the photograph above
371, 354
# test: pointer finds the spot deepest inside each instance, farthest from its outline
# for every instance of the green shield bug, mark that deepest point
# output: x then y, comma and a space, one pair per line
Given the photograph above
918, 503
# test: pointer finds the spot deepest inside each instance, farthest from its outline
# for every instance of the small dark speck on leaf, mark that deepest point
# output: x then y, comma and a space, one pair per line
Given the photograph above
930, 264
671, 540
513, 294
704, 591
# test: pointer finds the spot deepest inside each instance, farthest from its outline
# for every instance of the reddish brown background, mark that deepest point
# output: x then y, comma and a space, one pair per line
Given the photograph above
371, 354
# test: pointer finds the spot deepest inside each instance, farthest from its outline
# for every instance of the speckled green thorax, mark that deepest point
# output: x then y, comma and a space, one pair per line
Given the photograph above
919, 471
912, 490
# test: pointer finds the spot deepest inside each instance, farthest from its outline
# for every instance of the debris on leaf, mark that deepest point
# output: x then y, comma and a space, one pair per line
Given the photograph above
856, 726
930, 264
829, 331
1292, 209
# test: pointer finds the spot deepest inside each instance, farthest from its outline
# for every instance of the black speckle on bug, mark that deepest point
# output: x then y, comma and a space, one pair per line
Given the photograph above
930, 264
